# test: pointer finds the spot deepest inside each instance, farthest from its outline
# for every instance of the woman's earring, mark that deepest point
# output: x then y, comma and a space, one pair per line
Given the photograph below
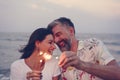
37, 49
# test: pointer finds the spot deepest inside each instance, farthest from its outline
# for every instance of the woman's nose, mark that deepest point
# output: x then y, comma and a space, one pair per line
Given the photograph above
53, 46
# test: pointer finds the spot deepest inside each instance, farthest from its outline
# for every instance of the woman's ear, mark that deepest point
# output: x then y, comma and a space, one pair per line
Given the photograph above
37, 44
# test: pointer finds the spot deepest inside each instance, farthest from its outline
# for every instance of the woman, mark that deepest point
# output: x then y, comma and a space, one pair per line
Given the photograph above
32, 65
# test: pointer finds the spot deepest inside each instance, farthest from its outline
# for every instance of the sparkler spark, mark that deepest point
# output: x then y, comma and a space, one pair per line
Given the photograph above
69, 68
47, 56
41, 61
40, 53
56, 57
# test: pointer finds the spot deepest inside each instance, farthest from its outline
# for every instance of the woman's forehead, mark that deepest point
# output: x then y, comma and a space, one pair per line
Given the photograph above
49, 37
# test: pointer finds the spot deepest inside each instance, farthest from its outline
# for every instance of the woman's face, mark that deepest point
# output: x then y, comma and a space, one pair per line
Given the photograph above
47, 45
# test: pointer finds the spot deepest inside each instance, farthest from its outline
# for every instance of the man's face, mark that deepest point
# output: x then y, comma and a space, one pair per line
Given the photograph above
62, 37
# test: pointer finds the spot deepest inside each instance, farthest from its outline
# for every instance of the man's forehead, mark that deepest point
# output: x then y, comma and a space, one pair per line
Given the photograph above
58, 28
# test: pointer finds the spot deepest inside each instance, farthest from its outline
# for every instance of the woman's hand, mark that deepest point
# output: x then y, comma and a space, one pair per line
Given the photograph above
34, 75
37, 67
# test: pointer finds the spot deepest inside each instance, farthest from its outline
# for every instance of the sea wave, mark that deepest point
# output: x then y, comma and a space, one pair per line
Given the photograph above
4, 74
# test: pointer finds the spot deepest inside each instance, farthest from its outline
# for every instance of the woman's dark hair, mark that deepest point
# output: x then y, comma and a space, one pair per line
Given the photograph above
39, 34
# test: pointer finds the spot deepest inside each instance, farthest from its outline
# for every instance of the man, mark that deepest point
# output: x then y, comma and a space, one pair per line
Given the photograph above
82, 60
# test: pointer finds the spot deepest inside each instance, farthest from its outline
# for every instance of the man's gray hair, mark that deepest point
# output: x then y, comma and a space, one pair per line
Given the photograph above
63, 21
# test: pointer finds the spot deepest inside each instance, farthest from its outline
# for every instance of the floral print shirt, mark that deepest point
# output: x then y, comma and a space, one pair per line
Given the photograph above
90, 50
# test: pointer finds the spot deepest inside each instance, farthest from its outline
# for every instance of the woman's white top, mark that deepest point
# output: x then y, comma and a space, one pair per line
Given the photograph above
19, 70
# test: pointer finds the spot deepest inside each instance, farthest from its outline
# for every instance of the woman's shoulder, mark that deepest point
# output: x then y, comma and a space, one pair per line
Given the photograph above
17, 63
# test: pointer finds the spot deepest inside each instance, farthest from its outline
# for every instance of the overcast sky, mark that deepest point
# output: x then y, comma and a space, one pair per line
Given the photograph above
89, 16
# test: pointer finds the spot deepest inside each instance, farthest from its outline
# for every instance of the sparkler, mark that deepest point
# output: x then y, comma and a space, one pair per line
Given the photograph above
45, 56
56, 57
69, 68
41, 61
40, 53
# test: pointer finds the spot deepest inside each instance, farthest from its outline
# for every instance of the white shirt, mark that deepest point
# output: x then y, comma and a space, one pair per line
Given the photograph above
91, 50
19, 70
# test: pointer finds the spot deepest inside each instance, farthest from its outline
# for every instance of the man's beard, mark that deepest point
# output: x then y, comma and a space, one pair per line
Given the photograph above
67, 45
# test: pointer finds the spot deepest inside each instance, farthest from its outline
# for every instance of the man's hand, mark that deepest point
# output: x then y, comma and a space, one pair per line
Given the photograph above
69, 58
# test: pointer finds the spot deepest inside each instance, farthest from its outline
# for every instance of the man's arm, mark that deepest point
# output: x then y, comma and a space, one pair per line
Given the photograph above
111, 71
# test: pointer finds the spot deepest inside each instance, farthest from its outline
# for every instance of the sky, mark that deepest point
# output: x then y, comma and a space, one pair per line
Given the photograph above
88, 16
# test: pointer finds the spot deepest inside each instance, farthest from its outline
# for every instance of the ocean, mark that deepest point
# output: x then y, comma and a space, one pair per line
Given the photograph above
10, 43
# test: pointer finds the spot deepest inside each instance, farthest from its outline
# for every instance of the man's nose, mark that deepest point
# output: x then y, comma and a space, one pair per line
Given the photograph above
56, 39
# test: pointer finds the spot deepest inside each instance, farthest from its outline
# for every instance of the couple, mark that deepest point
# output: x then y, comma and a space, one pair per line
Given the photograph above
79, 60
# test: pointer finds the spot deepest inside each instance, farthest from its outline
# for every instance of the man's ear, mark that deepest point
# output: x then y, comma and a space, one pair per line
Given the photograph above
71, 31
